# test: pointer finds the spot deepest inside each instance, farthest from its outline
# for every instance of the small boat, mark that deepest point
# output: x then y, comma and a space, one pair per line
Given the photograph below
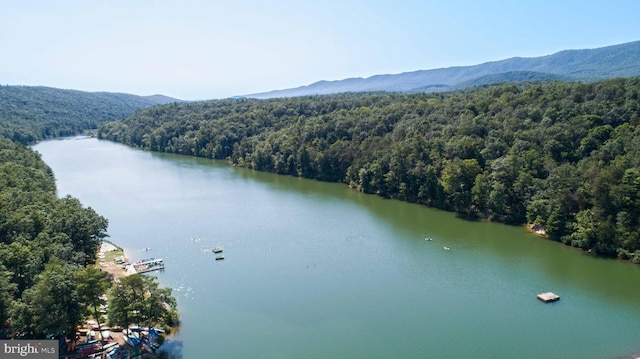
217, 250
107, 347
113, 353
219, 258
447, 248
135, 328
131, 340
428, 239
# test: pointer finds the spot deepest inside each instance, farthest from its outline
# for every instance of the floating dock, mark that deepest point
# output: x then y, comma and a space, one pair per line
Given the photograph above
149, 269
148, 265
548, 297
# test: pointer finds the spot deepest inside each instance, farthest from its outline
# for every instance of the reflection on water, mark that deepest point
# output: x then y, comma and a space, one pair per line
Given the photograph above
171, 349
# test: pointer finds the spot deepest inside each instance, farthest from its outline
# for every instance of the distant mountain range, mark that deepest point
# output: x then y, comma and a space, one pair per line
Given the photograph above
570, 65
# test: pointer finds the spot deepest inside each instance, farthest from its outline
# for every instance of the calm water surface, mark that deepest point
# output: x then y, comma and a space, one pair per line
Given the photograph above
315, 270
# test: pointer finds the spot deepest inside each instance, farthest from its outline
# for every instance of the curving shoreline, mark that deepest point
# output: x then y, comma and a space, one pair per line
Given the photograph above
108, 261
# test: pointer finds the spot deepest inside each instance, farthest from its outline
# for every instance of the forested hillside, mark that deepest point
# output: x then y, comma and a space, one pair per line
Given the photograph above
563, 157
44, 242
29, 114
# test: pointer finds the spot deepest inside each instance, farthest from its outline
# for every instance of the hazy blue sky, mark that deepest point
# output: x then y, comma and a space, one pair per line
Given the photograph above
198, 49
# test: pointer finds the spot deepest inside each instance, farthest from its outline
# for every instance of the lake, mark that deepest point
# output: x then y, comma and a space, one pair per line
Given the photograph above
316, 270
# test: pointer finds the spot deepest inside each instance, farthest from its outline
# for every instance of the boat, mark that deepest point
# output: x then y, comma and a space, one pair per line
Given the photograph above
113, 354
109, 346
133, 341
148, 265
220, 257
217, 250
135, 328
447, 248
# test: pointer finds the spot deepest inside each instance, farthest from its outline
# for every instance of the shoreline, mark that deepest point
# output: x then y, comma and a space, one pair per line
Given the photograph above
110, 259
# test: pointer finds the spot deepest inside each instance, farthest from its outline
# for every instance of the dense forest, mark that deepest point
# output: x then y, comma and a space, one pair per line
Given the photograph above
29, 114
44, 241
49, 282
562, 157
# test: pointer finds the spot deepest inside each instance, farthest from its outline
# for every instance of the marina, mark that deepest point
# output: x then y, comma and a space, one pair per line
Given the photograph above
114, 261
148, 265
103, 341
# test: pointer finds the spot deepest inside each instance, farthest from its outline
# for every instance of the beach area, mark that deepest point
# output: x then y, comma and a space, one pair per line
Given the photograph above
111, 259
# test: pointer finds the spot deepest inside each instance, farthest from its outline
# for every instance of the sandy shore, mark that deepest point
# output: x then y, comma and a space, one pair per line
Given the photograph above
108, 256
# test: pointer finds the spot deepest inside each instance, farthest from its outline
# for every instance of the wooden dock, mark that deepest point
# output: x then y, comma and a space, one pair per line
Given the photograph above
548, 297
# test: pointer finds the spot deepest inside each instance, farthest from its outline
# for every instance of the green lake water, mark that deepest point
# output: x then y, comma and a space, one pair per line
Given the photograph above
315, 270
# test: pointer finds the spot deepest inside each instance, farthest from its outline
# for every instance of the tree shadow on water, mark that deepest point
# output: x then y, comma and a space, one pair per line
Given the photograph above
467, 217
171, 349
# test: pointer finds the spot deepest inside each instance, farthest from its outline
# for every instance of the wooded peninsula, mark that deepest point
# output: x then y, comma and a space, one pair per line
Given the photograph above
563, 158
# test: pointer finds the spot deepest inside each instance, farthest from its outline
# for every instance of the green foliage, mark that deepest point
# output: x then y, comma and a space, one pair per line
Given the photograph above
139, 299
6, 294
50, 306
92, 284
557, 155
82, 225
43, 242
125, 305
29, 114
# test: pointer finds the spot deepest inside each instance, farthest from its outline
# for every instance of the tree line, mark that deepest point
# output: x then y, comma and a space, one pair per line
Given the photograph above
33, 113
48, 248
563, 157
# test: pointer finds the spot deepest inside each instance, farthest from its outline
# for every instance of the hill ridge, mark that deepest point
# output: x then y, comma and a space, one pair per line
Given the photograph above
589, 65
34, 113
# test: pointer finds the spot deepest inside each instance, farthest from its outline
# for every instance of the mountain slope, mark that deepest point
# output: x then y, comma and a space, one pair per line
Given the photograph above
563, 156
32, 113
570, 65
